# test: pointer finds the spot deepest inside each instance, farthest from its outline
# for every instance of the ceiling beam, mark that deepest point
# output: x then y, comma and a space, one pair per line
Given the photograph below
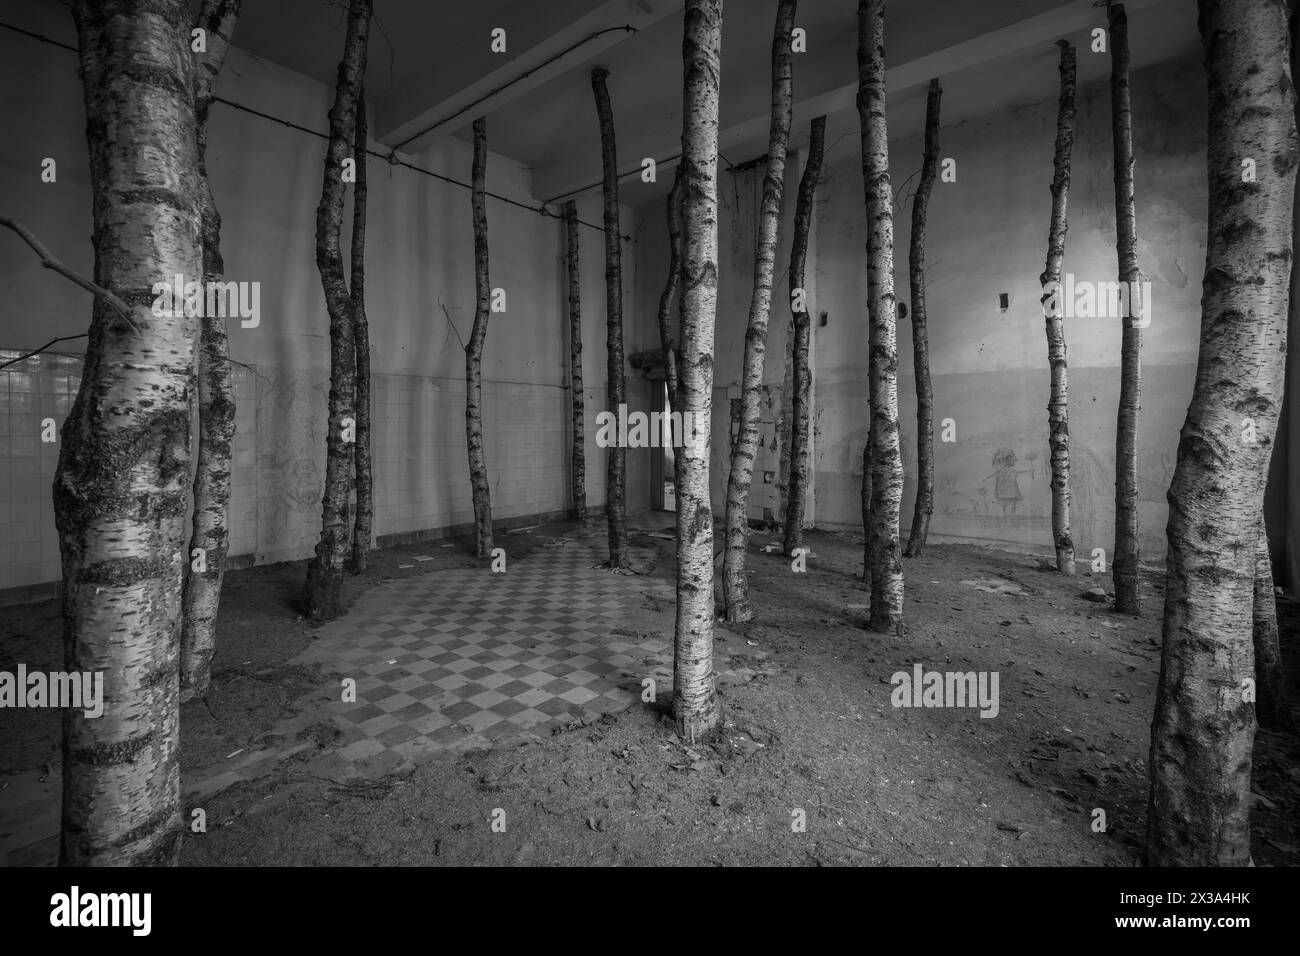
573, 43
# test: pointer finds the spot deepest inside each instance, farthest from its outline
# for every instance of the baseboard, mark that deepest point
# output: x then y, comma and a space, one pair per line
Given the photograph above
30, 593
48, 590
466, 528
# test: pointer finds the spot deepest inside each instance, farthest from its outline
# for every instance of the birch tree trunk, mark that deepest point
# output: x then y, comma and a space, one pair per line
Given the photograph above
616, 390
735, 583
696, 708
216, 395
801, 366
579, 460
474, 351
884, 457
1271, 704
666, 339
1124, 562
669, 343
362, 463
1204, 729
325, 572
121, 488
1058, 404
920, 334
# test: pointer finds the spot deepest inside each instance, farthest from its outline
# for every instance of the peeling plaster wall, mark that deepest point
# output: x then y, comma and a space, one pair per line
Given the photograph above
740, 201
739, 197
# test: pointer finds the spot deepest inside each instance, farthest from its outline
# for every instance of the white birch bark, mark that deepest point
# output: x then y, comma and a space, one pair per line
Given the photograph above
695, 698
1203, 732
735, 587
884, 460
121, 488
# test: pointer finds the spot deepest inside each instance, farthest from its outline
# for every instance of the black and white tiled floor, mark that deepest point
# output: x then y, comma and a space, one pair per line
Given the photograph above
467, 658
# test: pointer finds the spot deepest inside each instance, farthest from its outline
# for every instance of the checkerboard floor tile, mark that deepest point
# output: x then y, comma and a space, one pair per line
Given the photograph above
468, 658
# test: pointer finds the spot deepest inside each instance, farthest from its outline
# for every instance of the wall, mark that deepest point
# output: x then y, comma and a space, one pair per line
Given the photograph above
987, 234
419, 254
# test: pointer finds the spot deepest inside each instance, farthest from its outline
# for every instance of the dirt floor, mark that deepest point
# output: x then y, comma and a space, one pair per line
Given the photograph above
811, 734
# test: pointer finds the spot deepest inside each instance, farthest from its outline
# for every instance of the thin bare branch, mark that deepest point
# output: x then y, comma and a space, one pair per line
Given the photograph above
50, 262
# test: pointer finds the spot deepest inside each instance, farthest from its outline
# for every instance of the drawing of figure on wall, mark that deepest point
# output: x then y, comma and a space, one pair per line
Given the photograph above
1006, 486
1092, 495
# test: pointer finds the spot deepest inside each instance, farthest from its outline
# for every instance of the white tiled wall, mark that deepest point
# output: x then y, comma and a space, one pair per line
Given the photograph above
420, 460
420, 465
30, 392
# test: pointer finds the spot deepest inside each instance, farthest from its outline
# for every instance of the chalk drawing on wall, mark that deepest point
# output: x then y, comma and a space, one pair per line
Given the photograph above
1092, 490
290, 459
1010, 491
1006, 481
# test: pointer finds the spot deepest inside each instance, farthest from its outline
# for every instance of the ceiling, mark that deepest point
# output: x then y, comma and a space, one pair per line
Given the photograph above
431, 63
